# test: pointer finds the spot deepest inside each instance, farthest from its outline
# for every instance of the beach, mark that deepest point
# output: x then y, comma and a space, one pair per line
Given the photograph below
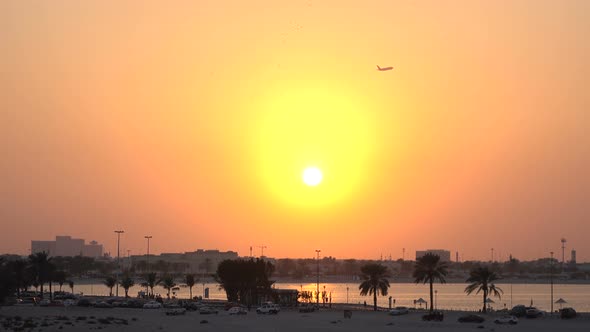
125, 319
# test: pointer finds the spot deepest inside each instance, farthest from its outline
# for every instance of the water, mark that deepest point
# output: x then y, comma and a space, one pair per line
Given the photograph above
448, 296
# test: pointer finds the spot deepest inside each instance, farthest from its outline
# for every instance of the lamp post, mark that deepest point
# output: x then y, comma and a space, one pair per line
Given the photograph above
262, 251
551, 278
346, 294
148, 237
435, 299
118, 260
318, 278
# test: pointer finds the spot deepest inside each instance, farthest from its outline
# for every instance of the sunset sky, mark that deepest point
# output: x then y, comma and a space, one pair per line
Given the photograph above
192, 121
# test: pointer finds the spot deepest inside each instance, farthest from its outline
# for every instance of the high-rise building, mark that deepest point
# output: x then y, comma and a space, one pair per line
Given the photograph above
67, 246
573, 260
445, 255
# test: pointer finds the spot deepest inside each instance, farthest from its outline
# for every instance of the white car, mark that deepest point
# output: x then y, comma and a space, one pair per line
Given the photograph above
506, 320
152, 305
268, 308
237, 311
399, 311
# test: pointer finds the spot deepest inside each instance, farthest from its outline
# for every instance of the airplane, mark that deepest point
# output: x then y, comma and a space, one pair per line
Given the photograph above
384, 68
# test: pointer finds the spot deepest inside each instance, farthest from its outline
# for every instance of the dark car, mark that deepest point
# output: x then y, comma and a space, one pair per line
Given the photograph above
471, 319
84, 303
518, 311
567, 313
207, 311
532, 312
134, 304
437, 316
307, 308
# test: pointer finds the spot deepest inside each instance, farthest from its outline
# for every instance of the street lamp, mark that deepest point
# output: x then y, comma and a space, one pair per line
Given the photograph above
435, 299
551, 278
262, 251
318, 278
118, 260
346, 294
148, 237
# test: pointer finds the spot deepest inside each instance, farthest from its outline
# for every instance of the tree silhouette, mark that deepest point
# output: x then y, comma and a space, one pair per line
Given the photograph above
21, 276
245, 281
60, 278
151, 280
71, 284
190, 282
482, 279
7, 281
167, 283
374, 281
110, 282
428, 269
41, 267
127, 283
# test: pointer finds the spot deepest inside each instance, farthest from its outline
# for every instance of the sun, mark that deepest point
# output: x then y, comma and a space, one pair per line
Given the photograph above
312, 176
313, 143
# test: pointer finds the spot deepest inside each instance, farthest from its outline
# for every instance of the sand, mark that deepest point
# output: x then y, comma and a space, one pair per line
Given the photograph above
130, 320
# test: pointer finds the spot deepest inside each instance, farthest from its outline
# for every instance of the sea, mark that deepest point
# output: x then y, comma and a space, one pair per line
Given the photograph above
450, 296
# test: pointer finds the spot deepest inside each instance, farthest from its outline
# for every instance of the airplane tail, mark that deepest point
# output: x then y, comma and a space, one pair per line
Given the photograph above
378, 68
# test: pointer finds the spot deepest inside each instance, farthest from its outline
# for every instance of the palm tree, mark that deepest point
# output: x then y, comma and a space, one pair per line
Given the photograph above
190, 282
19, 269
168, 283
40, 267
151, 281
71, 284
110, 282
127, 283
482, 279
60, 278
429, 269
375, 281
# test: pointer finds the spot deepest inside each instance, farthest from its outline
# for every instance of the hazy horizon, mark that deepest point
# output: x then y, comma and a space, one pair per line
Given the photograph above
192, 122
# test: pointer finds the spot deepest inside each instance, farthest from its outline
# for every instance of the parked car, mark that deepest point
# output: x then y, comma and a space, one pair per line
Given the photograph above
69, 303
237, 311
132, 304
103, 304
208, 311
24, 303
84, 302
152, 305
518, 311
191, 306
64, 296
567, 313
44, 303
512, 320
307, 308
471, 319
434, 316
175, 311
268, 308
399, 311
532, 312
230, 305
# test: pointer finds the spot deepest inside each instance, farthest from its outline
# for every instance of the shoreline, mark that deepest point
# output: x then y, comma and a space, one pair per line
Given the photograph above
288, 320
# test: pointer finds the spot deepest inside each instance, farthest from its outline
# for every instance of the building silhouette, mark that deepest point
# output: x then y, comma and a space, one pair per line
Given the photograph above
445, 255
67, 246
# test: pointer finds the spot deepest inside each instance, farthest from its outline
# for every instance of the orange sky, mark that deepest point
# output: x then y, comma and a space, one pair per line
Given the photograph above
189, 120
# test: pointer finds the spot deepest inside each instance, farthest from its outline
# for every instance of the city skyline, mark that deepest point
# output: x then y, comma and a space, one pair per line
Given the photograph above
230, 124
497, 255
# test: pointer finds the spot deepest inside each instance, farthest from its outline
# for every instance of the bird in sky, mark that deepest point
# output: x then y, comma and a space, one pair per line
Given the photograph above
384, 68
